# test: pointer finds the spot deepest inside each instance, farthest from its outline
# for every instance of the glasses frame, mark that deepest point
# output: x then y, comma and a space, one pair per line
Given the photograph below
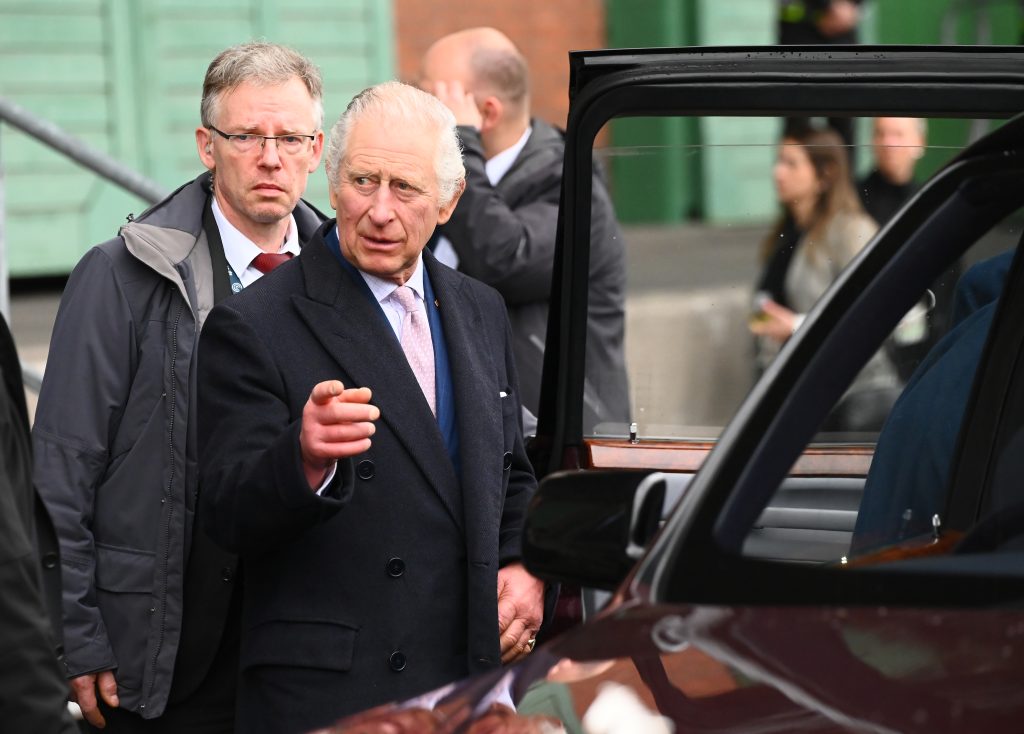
264, 138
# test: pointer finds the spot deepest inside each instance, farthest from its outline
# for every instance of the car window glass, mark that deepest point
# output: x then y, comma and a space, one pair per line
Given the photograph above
898, 492
698, 202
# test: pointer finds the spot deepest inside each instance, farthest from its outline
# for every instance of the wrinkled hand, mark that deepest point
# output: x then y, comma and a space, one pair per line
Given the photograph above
774, 321
462, 103
83, 692
520, 610
841, 17
336, 423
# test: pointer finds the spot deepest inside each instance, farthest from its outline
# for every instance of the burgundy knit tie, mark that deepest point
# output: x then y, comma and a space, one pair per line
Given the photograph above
267, 261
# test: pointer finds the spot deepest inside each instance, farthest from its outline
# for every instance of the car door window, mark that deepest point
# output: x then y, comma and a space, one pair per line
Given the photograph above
697, 281
904, 495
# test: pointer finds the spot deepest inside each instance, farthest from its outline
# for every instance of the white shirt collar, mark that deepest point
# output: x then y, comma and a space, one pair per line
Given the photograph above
240, 250
498, 166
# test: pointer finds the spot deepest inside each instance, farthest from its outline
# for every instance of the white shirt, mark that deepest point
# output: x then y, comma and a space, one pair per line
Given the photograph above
495, 168
383, 289
240, 251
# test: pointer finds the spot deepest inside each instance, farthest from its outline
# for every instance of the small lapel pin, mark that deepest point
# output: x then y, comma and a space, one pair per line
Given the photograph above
436, 304
502, 394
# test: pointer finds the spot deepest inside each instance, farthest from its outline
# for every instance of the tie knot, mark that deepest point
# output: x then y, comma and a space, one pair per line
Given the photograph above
406, 298
267, 261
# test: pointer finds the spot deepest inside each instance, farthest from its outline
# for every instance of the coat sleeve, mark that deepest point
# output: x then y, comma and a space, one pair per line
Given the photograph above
512, 250
86, 383
851, 235
253, 492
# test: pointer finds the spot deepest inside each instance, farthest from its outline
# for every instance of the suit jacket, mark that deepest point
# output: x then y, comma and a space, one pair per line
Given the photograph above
505, 236
385, 585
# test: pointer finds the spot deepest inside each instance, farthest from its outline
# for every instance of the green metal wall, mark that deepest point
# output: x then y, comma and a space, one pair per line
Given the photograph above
667, 170
126, 77
672, 169
951, 22
656, 163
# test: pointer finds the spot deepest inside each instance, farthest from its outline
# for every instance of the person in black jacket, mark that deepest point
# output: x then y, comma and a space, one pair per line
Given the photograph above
818, 23
33, 694
803, 22
503, 231
897, 144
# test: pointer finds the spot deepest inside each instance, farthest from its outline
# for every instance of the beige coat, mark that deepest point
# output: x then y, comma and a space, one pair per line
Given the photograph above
810, 276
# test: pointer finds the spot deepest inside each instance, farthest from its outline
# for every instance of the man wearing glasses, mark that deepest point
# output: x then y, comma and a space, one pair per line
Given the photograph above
150, 604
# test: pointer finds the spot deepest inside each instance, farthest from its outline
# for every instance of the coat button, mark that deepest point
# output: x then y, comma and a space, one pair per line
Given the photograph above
364, 469
227, 573
50, 560
508, 461
396, 567
397, 661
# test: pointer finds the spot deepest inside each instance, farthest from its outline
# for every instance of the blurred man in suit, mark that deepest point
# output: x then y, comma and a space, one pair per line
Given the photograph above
504, 230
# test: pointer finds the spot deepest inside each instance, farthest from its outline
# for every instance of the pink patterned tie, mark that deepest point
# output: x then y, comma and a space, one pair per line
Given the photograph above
416, 344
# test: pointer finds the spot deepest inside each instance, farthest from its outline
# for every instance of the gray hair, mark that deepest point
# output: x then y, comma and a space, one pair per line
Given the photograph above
263, 64
404, 103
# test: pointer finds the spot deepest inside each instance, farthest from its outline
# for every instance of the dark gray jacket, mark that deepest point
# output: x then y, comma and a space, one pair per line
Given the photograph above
505, 236
115, 451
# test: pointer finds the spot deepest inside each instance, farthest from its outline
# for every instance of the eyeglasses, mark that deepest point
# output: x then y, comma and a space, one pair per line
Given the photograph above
248, 142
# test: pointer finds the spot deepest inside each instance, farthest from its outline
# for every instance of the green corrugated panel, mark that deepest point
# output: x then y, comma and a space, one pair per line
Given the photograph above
653, 163
126, 76
739, 151
948, 21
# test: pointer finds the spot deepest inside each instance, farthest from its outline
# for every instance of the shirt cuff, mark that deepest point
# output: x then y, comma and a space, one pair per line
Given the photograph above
328, 480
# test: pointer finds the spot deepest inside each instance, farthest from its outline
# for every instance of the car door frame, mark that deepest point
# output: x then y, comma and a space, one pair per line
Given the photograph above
910, 81
900, 81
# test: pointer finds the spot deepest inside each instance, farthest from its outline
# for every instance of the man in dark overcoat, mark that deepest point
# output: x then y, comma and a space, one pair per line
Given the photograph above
361, 444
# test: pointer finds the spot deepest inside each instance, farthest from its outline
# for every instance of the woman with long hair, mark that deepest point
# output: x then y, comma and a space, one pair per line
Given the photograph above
821, 228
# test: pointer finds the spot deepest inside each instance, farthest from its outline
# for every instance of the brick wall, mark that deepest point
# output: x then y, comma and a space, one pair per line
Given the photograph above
544, 30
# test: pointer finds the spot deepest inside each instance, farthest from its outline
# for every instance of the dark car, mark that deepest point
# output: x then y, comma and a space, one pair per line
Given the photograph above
773, 576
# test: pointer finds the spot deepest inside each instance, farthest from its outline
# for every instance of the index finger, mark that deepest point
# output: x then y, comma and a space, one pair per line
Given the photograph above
324, 391
356, 395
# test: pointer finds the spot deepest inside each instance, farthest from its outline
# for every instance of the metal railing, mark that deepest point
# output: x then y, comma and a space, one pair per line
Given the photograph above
84, 155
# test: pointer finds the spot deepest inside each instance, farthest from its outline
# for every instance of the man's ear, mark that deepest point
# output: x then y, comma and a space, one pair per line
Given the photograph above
331, 196
318, 151
445, 212
492, 110
204, 144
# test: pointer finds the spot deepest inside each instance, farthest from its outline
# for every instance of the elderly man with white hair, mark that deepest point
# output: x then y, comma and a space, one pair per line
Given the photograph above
363, 452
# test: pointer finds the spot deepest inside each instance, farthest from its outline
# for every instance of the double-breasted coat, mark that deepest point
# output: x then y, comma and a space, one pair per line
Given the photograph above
383, 586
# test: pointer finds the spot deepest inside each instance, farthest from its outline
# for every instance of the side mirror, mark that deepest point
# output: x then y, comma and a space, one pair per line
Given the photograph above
589, 528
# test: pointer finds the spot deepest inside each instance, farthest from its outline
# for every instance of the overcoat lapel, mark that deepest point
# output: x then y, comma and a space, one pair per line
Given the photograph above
352, 330
477, 401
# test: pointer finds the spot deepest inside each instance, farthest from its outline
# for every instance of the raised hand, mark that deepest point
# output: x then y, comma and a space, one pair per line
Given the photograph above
336, 423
